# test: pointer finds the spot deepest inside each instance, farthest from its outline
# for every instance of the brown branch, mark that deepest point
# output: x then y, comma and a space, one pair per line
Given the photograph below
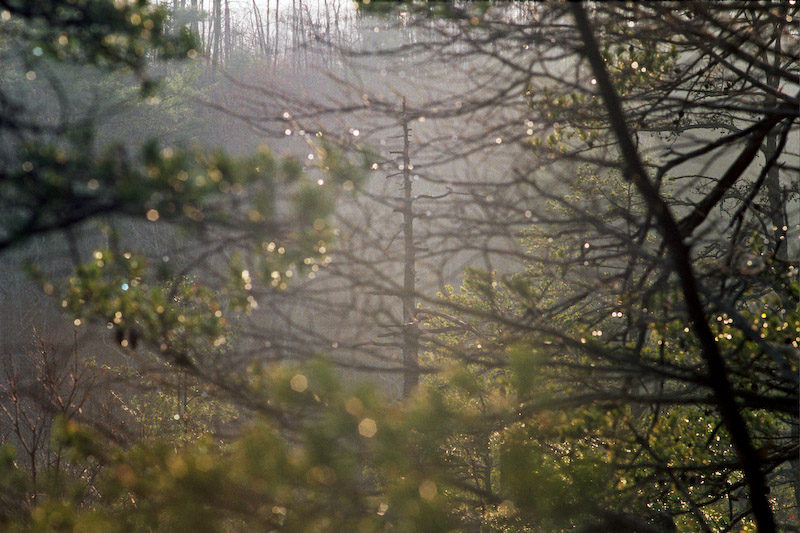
716, 369
737, 168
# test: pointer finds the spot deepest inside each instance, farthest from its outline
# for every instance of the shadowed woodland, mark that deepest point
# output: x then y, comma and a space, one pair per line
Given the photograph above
295, 265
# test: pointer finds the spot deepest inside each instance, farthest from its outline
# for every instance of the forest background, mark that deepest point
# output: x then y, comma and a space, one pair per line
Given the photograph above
422, 267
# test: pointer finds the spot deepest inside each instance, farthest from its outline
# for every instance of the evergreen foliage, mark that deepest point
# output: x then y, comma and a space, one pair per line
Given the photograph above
638, 372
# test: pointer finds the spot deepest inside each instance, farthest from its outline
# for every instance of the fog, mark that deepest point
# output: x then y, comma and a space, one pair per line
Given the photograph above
493, 210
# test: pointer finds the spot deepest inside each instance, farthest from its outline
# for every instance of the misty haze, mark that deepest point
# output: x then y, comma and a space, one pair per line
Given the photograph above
333, 265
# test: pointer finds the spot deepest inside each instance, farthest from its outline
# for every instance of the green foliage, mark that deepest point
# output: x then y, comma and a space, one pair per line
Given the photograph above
571, 390
585, 379
96, 32
322, 474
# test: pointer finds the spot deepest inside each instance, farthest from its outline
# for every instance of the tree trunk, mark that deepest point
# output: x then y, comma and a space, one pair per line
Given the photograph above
410, 331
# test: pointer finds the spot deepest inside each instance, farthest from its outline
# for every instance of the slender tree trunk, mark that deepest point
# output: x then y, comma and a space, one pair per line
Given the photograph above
259, 26
266, 32
195, 28
410, 331
228, 36
277, 30
773, 181
778, 215
216, 34
295, 23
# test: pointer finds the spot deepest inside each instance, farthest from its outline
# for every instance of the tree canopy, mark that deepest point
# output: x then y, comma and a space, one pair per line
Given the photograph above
625, 357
